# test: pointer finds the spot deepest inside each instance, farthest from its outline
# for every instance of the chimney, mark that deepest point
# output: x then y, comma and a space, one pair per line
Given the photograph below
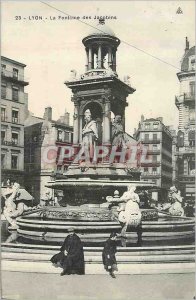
186, 45
48, 113
142, 118
65, 118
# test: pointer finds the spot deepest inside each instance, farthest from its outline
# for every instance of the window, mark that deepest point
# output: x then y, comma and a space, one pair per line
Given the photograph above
192, 88
66, 136
154, 171
146, 137
145, 170
14, 116
147, 125
154, 158
3, 114
3, 137
14, 138
14, 162
155, 125
3, 68
3, 161
59, 135
192, 143
15, 73
192, 63
154, 147
154, 136
3, 91
14, 94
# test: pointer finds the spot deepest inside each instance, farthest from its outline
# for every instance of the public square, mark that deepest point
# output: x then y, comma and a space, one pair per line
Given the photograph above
97, 287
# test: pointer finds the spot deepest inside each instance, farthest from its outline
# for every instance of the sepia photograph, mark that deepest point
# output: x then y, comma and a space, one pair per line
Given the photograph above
98, 150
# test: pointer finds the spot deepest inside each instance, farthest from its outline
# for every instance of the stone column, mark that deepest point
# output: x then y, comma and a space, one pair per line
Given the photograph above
80, 128
110, 57
99, 61
90, 64
106, 123
114, 60
76, 124
87, 59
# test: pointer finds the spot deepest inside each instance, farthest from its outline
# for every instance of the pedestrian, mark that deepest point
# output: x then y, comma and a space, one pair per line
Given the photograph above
71, 256
108, 255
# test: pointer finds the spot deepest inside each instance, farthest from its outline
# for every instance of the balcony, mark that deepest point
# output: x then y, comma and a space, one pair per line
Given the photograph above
153, 151
150, 164
187, 179
150, 141
10, 143
185, 151
150, 175
186, 97
15, 78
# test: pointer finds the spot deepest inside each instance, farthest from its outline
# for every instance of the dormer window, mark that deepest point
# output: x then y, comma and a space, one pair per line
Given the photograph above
192, 63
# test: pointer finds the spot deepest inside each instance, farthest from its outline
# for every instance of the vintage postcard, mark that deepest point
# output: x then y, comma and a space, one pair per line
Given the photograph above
98, 150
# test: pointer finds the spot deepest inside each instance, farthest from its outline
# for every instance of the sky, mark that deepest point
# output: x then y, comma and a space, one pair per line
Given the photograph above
51, 48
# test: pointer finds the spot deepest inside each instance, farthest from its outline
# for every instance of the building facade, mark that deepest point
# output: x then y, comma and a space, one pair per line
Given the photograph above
42, 137
157, 167
14, 106
185, 102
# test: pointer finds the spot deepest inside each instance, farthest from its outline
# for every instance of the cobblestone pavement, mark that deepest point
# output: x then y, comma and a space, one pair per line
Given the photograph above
36, 286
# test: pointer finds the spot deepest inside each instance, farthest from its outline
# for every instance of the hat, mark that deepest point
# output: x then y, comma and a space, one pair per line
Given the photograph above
113, 234
70, 229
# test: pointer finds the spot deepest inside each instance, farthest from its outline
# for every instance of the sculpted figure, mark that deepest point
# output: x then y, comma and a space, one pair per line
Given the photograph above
11, 210
118, 133
176, 202
129, 213
89, 134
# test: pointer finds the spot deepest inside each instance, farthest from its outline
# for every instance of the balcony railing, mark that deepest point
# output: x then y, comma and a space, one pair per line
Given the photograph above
9, 143
13, 76
153, 151
15, 120
150, 141
184, 97
185, 150
150, 175
187, 178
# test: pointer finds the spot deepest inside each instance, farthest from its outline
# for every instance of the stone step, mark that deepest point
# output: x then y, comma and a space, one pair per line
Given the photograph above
123, 269
89, 258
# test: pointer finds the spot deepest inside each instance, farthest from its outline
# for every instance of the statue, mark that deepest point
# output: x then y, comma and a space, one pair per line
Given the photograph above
89, 134
174, 206
129, 213
118, 133
11, 210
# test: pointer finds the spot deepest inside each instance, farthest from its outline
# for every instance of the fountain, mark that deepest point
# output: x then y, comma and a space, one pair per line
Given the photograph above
101, 163
102, 167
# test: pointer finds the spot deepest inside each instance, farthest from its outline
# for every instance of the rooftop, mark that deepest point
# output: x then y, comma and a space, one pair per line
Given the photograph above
185, 60
12, 61
101, 29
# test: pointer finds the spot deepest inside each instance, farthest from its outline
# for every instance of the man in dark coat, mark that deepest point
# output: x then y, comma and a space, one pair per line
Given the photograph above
108, 255
71, 256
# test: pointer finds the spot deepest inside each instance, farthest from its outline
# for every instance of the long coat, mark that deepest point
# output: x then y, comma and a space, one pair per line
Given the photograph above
108, 254
73, 262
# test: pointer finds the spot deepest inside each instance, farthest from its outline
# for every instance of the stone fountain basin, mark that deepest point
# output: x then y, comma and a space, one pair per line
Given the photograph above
94, 224
87, 212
